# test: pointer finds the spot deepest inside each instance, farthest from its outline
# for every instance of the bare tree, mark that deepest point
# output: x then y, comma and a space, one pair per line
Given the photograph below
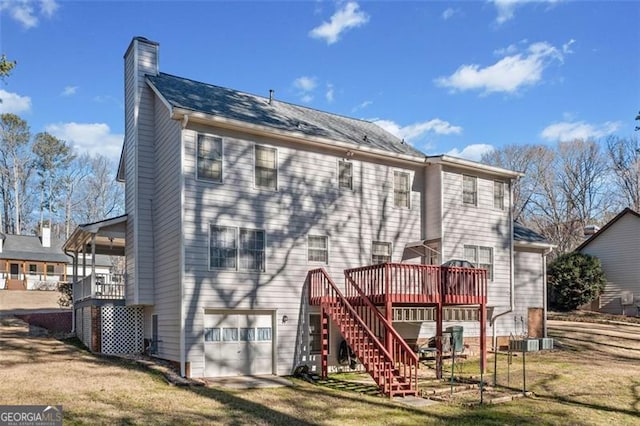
17, 167
624, 159
101, 196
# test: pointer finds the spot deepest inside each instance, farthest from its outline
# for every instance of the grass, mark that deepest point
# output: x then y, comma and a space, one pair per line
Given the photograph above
593, 379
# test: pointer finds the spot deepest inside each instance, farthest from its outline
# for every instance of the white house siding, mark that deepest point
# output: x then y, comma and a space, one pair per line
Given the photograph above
140, 59
307, 201
433, 202
528, 284
618, 248
166, 233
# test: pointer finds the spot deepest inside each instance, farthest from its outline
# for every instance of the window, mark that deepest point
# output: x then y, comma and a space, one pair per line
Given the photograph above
433, 254
469, 190
227, 251
49, 269
212, 335
481, 257
209, 158
498, 195
33, 269
401, 189
318, 249
264, 333
230, 334
222, 247
380, 252
315, 333
345, 175
266, 168
252, 257
247, 334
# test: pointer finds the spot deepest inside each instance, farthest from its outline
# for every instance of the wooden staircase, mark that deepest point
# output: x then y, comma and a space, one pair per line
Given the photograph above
379, 348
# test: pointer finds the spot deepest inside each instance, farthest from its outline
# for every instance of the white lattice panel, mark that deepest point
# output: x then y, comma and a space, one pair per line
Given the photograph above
122, 329
86, 326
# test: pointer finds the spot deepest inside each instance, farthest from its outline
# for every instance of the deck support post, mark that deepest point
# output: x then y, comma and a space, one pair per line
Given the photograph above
324, 318
388, 307
483, 338
439, 340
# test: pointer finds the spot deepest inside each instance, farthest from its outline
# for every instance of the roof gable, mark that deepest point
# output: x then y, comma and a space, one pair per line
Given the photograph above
29, 247
244, 107
607, 226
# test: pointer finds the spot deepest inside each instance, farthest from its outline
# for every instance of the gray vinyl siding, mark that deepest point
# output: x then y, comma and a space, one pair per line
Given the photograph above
480, 225
618, 248
433, 202
141, 59
166, 232
308, 201
528, 281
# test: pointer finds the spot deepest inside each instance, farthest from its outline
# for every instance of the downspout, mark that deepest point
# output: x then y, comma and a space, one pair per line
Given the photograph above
512, 286
73, 283
544, 290
182, 341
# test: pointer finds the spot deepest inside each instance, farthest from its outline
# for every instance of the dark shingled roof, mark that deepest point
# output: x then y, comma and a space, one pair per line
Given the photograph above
29, 247
232, 104
522, 233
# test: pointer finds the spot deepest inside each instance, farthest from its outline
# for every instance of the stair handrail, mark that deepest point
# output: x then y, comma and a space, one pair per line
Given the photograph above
352, 311
382, 319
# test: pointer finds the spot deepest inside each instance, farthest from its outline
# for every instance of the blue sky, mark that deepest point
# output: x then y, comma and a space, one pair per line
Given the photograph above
449, 77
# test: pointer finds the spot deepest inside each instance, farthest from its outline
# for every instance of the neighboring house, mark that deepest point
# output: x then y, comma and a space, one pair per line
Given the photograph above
30, 262
231, 199
617, 245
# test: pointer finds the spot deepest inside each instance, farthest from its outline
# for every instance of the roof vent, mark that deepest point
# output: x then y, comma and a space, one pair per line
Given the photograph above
589, 230
271, 96
402, 141
365, 138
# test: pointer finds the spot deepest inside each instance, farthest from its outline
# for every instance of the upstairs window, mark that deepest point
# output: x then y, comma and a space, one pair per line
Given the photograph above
266, 167
401, 189
252, 256
380, 252
498, 194
209, 159
318, 249
345, 175
470, 190
481, 257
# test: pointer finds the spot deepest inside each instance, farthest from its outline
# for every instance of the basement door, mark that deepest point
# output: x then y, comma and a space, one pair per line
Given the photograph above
238, 343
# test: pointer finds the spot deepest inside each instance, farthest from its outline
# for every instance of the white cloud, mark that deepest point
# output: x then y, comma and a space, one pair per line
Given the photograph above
567, 130
69, 91
305, 83
14, 103
507, 75
306, 98
91, 138
361, 105
449, 13
506, 8
416, 130
24, 11
566, 48
349, 16
329, 93
471, 152
509, 50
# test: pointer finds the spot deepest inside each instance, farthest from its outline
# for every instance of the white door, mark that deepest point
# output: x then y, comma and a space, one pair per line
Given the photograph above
238, 343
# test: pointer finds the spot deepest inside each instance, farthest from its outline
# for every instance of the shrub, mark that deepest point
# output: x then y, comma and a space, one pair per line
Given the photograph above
66, 294
574, 279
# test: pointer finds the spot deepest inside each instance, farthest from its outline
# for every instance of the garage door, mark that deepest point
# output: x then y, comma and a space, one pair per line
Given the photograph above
238, 343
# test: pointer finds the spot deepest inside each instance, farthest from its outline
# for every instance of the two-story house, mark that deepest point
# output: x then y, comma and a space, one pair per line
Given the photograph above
232, 198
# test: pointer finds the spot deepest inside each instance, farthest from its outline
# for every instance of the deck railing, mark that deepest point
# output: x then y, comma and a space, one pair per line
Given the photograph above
413, 283
105, 286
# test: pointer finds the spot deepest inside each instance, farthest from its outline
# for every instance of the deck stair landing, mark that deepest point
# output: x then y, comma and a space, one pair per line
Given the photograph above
381, 350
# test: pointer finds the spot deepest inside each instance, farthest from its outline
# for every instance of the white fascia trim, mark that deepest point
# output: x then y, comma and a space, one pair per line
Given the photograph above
534, 245
159, 95
179, 113
472, 165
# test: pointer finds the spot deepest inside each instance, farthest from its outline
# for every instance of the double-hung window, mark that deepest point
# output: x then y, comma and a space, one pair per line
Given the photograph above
345, 175
498, 194
470, 190
266, 167
318, 249
401, 189
481, 257
236, 249
209, 159
380, 252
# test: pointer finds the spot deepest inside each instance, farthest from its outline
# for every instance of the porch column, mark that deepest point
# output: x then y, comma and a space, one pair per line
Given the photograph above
93, 264
439, 340
388, 307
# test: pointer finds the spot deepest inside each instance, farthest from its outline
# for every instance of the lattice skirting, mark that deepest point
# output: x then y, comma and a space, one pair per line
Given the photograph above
122, 329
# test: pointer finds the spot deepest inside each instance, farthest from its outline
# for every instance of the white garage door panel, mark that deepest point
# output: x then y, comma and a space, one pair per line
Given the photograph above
238, 344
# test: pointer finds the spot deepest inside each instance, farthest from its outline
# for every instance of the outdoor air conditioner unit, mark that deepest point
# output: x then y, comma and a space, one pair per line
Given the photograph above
626, 298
